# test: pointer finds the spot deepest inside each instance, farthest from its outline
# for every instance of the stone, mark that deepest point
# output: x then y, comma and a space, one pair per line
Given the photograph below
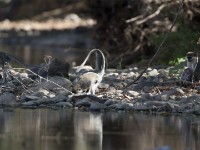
56, 67
111, 89
140, 107
165, 96
109, 102
118, 85
103, 86
132, 93
97, 106
153, 72
132, 75
8, 99
31, 98
44, 101
146, 96
163, 73
113, 106
59, 98
64, 104
62, 92
124, 105
29, 103
84, 102
147, 89
55, 82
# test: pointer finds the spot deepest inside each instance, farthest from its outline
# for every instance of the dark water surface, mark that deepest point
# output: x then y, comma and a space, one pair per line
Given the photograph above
68, 45
46, 129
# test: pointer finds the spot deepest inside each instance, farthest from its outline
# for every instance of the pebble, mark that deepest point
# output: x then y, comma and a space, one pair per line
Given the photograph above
133, 93
153, 72
103, 86
144, 95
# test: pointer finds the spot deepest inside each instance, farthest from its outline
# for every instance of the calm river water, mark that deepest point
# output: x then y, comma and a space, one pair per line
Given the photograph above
47, 129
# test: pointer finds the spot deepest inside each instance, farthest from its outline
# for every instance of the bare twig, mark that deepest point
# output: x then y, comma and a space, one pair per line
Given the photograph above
49, 81
159, 48
134, 19
152, 15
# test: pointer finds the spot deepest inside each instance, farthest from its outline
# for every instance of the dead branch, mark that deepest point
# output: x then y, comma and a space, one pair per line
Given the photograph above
134, 19
148, 17
159, 48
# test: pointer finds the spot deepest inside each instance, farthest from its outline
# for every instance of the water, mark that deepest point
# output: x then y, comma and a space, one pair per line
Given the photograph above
46, 129
68, 45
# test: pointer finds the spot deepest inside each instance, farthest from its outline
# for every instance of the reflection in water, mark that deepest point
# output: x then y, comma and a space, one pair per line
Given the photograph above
45, 129
67, 45
35, 55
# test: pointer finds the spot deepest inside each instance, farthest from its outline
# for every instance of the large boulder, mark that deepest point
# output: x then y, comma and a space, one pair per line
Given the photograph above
7, 99
55, 68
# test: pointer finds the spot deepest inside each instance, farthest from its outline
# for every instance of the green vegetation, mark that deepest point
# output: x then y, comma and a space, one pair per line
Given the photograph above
177, 66
177, 45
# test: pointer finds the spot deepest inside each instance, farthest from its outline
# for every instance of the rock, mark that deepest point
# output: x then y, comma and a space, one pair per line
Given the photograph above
90, 98
111, 77
56, 67
132, 93
140, 107
113, 106
29, 103
147, 89
118, 85
165, 96
155, 103
119, 91
162, 106
31, 98
40, 92
55, 82
109, 102
59, 98
44, 101
97, 106
153, 72
64, 104
146, 97
163, 73
111, 89
72, 17
8, 99
103, 86
84, 102
132, 75
62, 92
169, 107
124, 105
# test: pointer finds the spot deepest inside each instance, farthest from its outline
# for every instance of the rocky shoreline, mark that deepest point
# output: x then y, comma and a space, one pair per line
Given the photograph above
155, 91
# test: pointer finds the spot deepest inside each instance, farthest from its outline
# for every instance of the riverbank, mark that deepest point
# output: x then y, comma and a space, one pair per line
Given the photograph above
156, 91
